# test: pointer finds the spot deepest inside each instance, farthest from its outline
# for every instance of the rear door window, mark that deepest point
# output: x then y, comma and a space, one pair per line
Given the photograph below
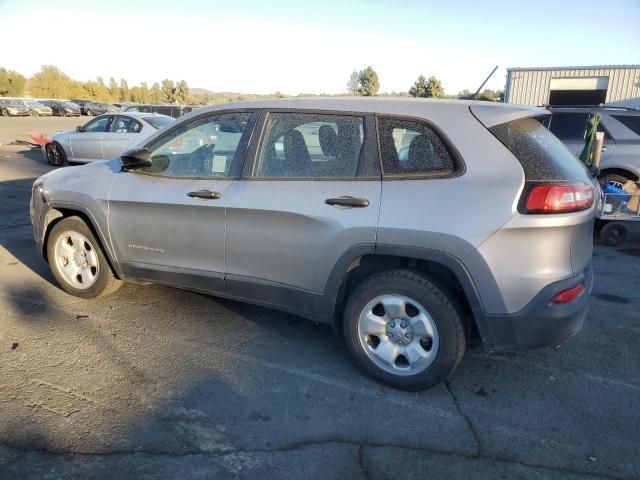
409, 147
123, 124
569, 125
309, 145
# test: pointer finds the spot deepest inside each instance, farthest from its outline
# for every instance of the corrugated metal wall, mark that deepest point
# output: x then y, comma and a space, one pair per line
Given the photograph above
531, 87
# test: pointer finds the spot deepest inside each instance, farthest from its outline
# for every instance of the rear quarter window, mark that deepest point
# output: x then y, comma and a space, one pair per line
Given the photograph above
542, 155
632, 122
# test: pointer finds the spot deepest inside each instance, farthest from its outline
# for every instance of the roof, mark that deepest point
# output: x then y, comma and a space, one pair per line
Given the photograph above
392, 106
588, 67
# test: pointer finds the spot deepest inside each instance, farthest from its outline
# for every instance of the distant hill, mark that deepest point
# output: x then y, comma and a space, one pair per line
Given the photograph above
201, 92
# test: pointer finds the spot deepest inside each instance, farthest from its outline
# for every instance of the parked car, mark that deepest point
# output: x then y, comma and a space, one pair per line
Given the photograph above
620, 159
103, 137
37, 109
174, 111
13, 108
81, 104
62, 108
99, 108
305, 206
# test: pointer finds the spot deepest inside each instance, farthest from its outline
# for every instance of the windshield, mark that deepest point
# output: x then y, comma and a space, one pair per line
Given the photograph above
33, 104
159, 122
70, 105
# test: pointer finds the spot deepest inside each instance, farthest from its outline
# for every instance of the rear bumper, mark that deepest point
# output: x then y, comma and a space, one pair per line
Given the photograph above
541, 323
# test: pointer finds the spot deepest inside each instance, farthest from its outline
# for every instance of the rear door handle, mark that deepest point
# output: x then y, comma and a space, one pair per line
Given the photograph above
206, 194
347, 201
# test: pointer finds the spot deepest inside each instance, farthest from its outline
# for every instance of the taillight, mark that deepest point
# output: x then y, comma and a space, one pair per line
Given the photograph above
559, 198
568, 295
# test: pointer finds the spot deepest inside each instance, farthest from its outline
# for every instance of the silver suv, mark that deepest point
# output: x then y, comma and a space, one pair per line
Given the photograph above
620, 159
410, 226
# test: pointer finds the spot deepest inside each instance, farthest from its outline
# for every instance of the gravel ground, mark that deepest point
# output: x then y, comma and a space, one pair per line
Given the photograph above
155, 382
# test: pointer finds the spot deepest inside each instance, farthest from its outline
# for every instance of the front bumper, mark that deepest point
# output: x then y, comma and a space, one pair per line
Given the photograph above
18, 113
541, 323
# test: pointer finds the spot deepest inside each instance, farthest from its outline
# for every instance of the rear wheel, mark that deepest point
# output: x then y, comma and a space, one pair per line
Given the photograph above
77, 262
63, 113
613, 234
403, 330
89, 113
4, 112
55, 154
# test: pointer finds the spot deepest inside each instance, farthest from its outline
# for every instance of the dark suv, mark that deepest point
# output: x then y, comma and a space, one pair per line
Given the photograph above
621, 126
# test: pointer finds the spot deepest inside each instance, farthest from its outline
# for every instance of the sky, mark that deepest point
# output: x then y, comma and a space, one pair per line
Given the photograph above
305, 46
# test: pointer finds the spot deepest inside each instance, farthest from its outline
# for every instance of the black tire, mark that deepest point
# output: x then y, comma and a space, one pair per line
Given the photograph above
63, 113
452, 343
613, 234
616, 178
88, 113
105, 283
4, 112
56, 155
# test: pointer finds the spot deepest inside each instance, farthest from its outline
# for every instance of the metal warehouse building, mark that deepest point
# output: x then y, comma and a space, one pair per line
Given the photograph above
572, 85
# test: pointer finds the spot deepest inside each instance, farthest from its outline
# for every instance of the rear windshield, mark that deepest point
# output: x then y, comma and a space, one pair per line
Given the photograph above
159, 122
632, 122
542, 155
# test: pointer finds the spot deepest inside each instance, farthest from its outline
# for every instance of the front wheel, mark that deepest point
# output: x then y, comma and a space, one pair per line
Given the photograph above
4, 112
402, 330
55, 154
77, 262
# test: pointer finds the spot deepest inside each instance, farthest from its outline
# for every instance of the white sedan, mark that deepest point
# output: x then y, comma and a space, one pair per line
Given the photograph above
103, 138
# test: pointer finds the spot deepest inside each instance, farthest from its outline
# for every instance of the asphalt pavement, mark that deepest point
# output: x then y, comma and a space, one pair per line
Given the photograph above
155, 382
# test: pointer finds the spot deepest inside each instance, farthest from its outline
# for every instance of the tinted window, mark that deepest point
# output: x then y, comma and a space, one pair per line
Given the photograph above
543, 157
310, 145
205, 147
632, 122
411, 147
123, 124
569, 125
97, 125
159, 122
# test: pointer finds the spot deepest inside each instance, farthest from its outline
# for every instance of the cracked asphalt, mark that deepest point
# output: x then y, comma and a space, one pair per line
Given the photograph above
155, 382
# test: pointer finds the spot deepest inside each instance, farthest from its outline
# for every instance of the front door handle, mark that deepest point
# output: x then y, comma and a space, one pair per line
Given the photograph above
347, 201
206, 194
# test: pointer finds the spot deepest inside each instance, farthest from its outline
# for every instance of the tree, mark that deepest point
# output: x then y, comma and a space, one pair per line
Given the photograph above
352, 84
168, 91
419, 88
125, 95
182, 92
51, 82
155, 94
428, 88
11, 83
114, 90
368, 84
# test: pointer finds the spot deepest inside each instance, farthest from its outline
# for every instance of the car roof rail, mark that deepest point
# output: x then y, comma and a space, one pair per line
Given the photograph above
603, 106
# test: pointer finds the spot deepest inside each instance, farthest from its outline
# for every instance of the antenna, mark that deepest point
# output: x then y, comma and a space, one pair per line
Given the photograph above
475, 95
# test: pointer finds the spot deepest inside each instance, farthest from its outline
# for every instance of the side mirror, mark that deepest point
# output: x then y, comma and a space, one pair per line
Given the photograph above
135, 158
79, 129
